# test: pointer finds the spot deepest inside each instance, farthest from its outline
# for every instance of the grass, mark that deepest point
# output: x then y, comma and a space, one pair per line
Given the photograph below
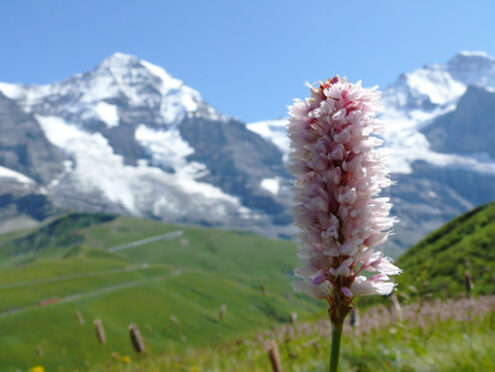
437, 264
442, 344
189, 278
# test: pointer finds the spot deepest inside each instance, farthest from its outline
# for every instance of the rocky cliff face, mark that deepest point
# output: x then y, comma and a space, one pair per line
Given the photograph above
23, 145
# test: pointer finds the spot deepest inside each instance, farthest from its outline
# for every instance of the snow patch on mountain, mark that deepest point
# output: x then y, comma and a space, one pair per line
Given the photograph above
423, 88
435, 83
169, 150
108, 114
9, 173
98, 169
167, 82
274, 131
271, 184
404, 143
12, 91
96, 165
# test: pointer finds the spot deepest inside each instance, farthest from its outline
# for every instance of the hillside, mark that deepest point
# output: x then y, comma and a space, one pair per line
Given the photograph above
126, 270
436, 265
172, 281
448, 336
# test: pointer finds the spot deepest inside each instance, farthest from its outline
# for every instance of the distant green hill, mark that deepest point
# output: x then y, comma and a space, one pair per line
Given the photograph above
436, 266
126, 270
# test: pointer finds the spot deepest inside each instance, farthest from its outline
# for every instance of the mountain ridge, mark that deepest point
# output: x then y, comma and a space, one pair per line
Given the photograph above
122, 128
134, 140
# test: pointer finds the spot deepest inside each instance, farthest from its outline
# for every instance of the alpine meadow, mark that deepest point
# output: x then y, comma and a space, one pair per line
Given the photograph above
225, 186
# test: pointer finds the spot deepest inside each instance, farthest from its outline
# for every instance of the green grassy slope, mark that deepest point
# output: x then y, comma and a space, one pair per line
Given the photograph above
409, 346
188, 277
436, 265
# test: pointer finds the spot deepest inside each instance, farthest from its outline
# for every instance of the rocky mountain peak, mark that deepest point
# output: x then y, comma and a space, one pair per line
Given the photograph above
437, 85
122, 88
473, 68
424, 89
120, 59
129, 71
465, 59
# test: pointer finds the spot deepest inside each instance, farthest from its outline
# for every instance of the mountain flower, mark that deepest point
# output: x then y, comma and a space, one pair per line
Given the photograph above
336, 205
37, 369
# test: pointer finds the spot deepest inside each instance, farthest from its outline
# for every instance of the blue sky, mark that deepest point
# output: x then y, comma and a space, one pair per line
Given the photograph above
248, 59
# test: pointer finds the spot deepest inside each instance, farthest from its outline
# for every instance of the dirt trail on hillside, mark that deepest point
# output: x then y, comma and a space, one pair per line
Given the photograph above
95, 292
168, 236
73, 276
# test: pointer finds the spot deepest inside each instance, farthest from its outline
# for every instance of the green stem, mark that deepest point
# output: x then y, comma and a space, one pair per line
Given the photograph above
334, 355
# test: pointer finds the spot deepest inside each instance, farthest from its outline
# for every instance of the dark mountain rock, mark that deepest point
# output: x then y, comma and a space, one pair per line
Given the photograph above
36, 206
237, 160
424, 199
23, 145
23, 210
469, 129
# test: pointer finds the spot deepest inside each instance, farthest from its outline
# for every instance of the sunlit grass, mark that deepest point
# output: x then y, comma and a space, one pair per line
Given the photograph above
419, 343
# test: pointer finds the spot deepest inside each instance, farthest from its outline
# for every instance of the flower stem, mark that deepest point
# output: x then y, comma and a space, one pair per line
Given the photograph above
334, 355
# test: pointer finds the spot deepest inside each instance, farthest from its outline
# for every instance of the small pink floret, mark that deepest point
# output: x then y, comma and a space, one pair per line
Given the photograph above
347, 292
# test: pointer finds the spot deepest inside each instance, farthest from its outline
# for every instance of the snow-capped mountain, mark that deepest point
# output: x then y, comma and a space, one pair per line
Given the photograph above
115, 92
414, 102
127, 137
440, 142
417, 99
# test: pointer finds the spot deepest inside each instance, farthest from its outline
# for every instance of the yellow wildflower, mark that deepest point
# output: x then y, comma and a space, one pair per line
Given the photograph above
37, 369
195, 369
126, 359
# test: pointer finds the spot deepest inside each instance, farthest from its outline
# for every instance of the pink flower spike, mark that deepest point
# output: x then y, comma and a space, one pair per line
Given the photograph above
339, 177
